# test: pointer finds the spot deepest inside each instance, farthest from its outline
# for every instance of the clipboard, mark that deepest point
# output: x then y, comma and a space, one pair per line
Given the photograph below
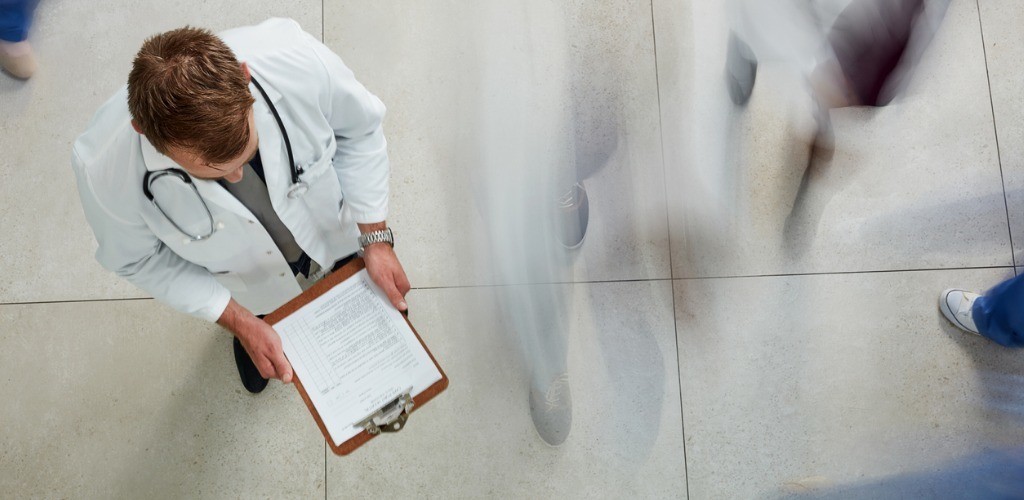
393, 415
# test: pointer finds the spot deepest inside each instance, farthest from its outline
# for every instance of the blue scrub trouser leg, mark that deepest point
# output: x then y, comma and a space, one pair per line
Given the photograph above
999, 314
15, 19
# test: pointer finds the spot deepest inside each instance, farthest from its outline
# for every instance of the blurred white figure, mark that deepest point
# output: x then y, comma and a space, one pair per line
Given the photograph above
524, 166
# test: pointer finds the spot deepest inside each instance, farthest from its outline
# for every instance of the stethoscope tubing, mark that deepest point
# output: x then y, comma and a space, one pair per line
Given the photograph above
295, 169
181, 174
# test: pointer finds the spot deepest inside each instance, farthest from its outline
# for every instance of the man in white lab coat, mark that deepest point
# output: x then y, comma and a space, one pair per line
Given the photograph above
234, 170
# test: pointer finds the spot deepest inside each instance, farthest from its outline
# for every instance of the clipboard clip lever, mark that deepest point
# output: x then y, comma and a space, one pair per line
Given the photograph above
391, 417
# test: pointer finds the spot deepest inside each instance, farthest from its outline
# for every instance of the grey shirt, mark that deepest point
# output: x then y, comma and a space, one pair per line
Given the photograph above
252, 192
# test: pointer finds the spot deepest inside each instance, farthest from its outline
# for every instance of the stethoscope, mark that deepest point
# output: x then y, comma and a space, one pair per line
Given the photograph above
297, 189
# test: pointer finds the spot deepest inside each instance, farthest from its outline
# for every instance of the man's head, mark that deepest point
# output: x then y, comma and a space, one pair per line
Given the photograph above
190, 97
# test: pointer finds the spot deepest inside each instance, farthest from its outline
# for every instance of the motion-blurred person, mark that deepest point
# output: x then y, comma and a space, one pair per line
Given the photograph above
997, 315
16, 56
533, 206
862, 61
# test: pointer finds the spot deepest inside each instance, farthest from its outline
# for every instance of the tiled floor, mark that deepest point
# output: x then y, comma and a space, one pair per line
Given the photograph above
727, 337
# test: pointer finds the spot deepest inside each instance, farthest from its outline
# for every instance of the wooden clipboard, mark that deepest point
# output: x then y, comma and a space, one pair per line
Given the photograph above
321, 287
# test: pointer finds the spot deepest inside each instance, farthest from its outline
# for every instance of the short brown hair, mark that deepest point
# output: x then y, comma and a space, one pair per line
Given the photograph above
187, 90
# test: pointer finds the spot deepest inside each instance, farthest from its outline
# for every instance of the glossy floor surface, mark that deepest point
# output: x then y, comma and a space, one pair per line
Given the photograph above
730, 333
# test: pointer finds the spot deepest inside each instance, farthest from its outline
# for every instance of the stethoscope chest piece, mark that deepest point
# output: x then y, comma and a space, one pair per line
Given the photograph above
298, 189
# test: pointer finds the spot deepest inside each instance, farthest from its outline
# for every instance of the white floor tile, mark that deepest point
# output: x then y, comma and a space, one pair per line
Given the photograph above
836, 379
1004, 50
477, 439
845, 380
481, 90
85, 52
128, 399
913, 185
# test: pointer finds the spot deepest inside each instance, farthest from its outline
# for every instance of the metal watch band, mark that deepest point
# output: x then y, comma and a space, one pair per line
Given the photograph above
379, 236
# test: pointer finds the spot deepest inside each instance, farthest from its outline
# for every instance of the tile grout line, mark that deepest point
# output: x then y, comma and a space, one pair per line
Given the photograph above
668, 233
73, 301
843, 273
594, 282
995, 132
719, 277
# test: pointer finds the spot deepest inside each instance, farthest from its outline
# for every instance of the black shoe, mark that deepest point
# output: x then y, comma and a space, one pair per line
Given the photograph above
251, 378
740, 70
574, 216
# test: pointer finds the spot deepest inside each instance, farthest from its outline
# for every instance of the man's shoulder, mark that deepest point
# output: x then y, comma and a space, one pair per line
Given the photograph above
109, 142
284, 58
275, 35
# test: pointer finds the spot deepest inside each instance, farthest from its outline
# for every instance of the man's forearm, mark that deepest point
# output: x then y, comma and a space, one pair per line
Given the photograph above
235, 318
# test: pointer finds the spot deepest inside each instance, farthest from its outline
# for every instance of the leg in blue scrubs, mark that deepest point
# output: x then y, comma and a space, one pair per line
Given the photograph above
999, 314
15, 19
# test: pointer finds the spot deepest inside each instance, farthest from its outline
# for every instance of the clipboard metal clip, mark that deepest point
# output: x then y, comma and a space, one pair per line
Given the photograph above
391, 417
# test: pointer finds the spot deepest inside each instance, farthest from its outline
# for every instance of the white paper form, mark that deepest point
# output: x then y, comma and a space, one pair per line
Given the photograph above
354, 353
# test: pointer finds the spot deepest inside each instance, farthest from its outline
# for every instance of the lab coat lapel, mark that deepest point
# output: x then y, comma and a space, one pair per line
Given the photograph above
212, 192
272, 146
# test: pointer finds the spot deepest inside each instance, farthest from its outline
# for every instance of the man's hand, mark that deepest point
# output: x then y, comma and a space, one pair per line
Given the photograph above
385, 270
259, 340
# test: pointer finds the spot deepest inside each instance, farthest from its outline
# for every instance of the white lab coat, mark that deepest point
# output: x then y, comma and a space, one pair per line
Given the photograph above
334, 125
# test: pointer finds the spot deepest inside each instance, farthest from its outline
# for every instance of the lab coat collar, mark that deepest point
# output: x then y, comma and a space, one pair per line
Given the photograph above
271, 91
153, 159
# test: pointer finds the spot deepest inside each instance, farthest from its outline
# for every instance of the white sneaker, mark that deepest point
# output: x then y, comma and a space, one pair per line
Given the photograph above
551, 410
957, 306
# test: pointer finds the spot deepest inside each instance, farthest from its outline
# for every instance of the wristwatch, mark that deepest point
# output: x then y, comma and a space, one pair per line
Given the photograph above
380, 236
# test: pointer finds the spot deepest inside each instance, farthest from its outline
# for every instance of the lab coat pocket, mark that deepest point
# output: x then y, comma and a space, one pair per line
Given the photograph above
314, 169
324, 199
231, 281
229, 243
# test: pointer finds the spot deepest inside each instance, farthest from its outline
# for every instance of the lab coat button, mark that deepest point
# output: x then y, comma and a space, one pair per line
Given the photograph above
220, 225
252, 222
269, 252
282, 275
